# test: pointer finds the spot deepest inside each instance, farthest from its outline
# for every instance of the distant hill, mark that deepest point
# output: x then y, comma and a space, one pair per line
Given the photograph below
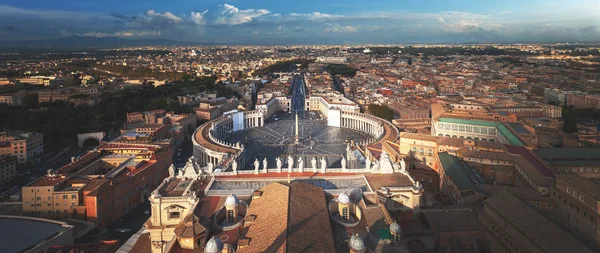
91, 42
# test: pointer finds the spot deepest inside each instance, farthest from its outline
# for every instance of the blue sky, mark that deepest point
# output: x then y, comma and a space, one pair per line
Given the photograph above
305, 21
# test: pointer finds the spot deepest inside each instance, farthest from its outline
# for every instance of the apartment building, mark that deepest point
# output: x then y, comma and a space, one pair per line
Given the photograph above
101, 186
26, 146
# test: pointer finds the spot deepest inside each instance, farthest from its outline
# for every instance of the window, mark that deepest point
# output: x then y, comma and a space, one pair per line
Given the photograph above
568, 190
174, 215
73, 196
345, 214
231, 216
65, 196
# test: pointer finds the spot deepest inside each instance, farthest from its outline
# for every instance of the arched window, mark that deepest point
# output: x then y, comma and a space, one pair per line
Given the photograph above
345, 214
230, 216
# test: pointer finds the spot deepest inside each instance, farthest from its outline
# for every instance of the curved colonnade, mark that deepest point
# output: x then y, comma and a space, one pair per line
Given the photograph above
210, 149
380, 130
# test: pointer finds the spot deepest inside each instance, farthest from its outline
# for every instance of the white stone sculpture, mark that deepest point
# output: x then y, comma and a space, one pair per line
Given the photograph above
300, 164
256, 165
403, 165
278, 162
290, 163
171, 171
264, 162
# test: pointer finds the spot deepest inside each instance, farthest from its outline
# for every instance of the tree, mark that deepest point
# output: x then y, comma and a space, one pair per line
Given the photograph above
569, 120
31, 101
382, 111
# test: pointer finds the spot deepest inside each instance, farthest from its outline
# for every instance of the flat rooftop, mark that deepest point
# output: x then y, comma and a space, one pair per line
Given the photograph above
246, 187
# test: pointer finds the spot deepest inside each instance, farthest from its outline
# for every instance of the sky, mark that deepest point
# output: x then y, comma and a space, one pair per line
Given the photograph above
305, 21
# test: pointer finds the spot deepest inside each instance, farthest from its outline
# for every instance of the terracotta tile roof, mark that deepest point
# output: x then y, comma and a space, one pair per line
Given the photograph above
309, 228
289, 218
143, 244
388, 180
452, 219
587, 186
189, 227
537, 229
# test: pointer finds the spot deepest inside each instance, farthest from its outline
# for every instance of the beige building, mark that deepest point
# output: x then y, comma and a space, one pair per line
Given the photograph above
25, 146
552, 111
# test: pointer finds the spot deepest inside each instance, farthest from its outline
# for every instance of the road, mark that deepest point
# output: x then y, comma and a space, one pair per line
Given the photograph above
185, 151
133, 220
298, 94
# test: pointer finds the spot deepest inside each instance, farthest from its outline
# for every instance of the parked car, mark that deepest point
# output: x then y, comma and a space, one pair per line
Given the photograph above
123, 230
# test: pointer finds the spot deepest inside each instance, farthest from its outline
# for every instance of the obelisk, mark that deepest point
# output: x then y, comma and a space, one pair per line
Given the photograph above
296, 140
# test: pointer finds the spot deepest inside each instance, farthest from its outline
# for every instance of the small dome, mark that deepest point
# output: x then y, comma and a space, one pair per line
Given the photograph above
395, 228
343, 198
214, 245
232, 201
356, 243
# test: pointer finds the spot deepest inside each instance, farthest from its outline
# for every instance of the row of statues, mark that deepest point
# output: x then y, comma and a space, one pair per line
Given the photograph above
323, 164
300, 164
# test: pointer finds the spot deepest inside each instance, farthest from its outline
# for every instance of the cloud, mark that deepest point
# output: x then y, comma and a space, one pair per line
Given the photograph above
311, 27
299, 29
341, 29
123, 34
231, 15
312, 16
152, 15
198, 17
123, 17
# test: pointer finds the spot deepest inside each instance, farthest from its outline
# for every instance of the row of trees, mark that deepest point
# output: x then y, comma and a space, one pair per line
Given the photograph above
60, 121
382, 111
141, 72
341, 69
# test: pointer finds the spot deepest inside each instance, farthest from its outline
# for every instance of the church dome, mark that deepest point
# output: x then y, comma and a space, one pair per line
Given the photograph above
232, 201
356, 243
343, 198
214, 245
395, 228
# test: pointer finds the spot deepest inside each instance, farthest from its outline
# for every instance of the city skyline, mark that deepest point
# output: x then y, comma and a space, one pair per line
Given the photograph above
312, 22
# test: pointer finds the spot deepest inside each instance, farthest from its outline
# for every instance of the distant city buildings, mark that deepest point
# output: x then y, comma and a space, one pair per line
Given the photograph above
25, 146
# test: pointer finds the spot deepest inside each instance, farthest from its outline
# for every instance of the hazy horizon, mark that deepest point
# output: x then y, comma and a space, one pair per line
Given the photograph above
312, 22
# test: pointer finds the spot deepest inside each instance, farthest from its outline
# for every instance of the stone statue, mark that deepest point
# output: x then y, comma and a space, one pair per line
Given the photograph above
343, 163
278, 162
210, 167
265, 168
403, 165
313, 162
368, 164
300, 164
290, 163
323, 164
256, 164
234, 166
171, 171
